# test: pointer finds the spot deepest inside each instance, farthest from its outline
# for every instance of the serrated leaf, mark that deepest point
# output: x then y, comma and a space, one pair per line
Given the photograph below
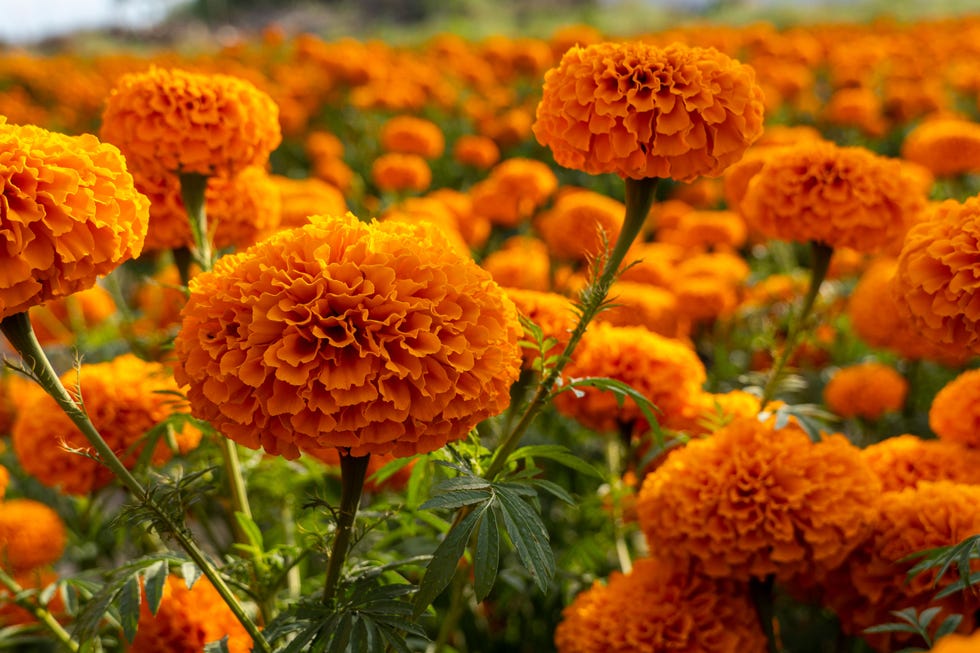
341, 637
155, 577
949, 625
358, 636
555, 490
529, 536
394, 641
557, 453
959, 586
251, 530
456, 499
220, 646
190, 572
926, 616
442, 567
129, 606
487, 557
460, 483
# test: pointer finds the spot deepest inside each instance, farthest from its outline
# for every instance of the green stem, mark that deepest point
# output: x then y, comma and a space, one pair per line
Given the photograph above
192, 187
353, 469
614, 459
821, 262
761, 593
40, 613
639, 197
18, 330
183, 259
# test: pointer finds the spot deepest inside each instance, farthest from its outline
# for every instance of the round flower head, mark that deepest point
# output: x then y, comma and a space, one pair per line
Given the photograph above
301, 198
522, 262
181, 122
513, 191
4, 481
187, 619
752, 500
31, 535
651, 307
375, 337
581, 225
659, 609
664, 370
411, 135
938, 276
838, 196
642, 111
125, 398
955, 412
401, 172
70, 213
477, 151
958, 644
867, 390
947, 147
905, 460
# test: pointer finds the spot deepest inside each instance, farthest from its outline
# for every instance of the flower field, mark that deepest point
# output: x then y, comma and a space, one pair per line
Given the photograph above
590, 343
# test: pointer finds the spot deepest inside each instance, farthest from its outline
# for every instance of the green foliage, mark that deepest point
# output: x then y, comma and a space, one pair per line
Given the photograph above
917, 623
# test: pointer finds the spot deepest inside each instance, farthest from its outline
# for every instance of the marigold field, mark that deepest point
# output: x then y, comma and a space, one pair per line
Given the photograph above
660, 342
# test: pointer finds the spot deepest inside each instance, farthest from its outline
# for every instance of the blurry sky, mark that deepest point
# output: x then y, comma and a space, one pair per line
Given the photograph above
29, 20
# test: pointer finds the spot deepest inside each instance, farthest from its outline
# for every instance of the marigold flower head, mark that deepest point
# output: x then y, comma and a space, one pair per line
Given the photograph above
867, 390
301, 198
411, 135
713, 410
426, 209
936, 282
707, 230
522, 262
474, 228
375, 337
643, 111
838, 196
57, 320
766, 501
401, 172
176, 121
581, 225
905, 460
657, 608
71, 213
478, 151
857, 107
513, 191
187, 619
946, 146
955, 412
31, 535
665, 371
957, 644
124, 398
651, 307
654, 263
4, 481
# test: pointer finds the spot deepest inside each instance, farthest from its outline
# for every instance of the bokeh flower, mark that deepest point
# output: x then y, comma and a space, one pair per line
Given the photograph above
375, 337
401, 172
59, 320
513, 191
176, 121
301, 198
581, 225
957, 644
411, 135
752, 500
124, 398
70, 214
946, 146
642, 111
650, 307
521, 262
477, 151
659, 609
903, 461
867, 390
31, 535
955, 412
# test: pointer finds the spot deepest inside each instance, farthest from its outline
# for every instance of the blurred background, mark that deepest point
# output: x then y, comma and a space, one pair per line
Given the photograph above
50, 23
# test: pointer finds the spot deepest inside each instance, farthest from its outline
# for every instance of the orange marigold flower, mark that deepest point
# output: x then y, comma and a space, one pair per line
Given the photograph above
664, 370
31, 535
375, 337
867, 390
643, 111
581, 225
301, 198
752, 500
905, 460
475, 229
58, 320
401, 172
706, 230
181, 122
654, 263
334, 171
947, 146
4, 481
857, 107
125, 398
955, 412
513, 191
657, 608
554, 314
650, 307
411, 135
936, 283
522, 262
714, 410
957, 644
838, 196
71, 213
187, 619
426, 209
477, 151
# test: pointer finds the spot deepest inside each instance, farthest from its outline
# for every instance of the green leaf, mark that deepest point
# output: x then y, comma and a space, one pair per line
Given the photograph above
487, 556
251, 531
555, 490
341, 637
191, 572
155, 578
622, 391
220, 646
529, 536
948, 626
391, 468
129, 606
557, 453
442, 567
456, 499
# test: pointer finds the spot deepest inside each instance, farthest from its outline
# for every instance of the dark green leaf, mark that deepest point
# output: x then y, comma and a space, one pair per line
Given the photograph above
129, 606
557, 453
487, 555
341, 637
555, 490
529, 536
394, 641
191, 572
155, 578
949, 625
391, 468
220, 646
457, 499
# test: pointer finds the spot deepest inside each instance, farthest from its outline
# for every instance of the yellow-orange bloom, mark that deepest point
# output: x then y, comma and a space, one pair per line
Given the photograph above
187, 619
513, 191
938, 276
70, 213
643, 111
411, 135
957, 644
657, 608
752, 500
947, 147
838, 196
955, 412
905, 460
124, 398
867, 390
4, 481
56, 321
650, 307
581, 225
401, 172
375, 337
480, 152
181, 122
301, 198
31, 535
522, 262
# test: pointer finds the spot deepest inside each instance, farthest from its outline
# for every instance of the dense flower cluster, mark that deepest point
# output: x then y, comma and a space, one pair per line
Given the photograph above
375, 337
902, 461
513, 191
955, 411
867, 390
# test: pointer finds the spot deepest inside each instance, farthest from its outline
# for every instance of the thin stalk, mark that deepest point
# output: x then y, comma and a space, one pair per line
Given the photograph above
818, 271
40, 613
352, 472
192, 187
614, 459
761, 593
639, 197
18, 330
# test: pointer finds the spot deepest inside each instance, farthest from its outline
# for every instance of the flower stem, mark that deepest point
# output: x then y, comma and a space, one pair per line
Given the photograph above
192, 187
40, 613
18, 330
353, 469
818, 271
639, 197
761, 593
614, 459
